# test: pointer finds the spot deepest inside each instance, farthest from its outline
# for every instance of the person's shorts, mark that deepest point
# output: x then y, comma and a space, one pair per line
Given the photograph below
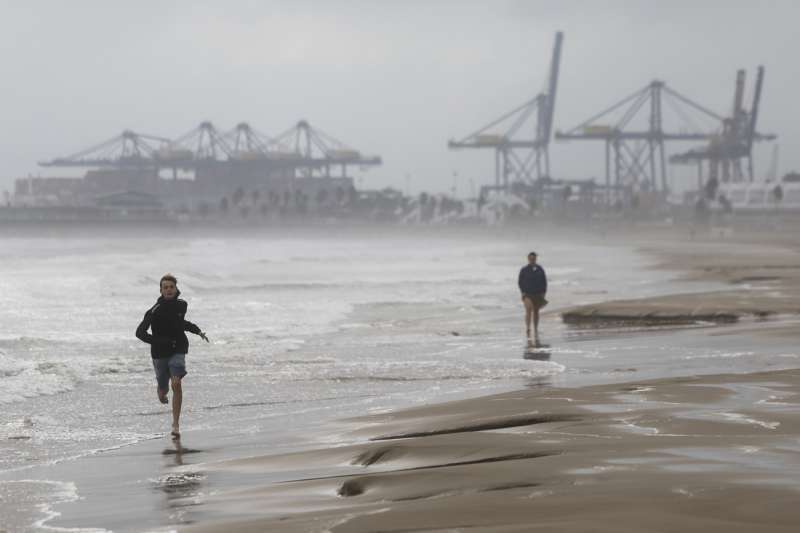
172, 366
537, 300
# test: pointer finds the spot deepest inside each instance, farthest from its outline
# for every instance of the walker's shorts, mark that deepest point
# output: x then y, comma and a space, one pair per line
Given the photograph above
538, 300
174, 365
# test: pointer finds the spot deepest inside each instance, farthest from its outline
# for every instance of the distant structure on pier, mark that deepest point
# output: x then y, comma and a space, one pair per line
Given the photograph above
520, 138
733, 145
203, 164
635, 131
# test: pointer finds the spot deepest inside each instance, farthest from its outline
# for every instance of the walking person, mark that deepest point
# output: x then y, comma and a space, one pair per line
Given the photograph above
168, 344
533, 286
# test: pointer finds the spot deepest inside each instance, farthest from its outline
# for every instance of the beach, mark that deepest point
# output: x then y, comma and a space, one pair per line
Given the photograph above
666, 399
712, 453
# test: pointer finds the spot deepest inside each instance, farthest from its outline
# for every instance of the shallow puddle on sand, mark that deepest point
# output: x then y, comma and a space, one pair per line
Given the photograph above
747, 460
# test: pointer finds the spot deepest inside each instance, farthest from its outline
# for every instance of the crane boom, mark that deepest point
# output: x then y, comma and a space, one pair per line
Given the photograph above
550, 107
738, 95
751, 130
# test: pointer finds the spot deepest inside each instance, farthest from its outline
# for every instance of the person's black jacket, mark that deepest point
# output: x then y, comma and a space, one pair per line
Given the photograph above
532, 280
166, 321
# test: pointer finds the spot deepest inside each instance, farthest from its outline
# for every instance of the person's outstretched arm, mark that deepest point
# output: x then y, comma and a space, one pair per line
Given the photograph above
194, 328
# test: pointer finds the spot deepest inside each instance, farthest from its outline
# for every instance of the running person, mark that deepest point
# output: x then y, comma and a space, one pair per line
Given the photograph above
533, 286
168, 343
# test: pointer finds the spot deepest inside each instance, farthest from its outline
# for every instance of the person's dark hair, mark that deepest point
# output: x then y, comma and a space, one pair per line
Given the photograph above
168, 277
534, 254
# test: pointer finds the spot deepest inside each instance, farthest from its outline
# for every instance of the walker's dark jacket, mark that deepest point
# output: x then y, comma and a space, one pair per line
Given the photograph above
168, 326
532, 280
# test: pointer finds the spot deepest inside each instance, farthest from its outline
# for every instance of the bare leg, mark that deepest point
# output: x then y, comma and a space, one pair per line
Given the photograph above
177, 400
162, 395
536, 322
528, 315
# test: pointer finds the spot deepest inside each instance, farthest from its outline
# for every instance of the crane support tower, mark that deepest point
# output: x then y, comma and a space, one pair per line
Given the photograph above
725, 152
521, 151
634, 140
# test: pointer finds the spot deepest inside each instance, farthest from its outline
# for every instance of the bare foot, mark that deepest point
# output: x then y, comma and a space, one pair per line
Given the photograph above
162, 396
176, 433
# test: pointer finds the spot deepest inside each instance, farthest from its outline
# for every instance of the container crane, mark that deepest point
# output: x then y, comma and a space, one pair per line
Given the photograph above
517, 157
726, 150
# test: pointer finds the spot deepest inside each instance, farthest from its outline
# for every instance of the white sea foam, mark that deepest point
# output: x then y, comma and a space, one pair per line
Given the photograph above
178, 480
46, 373
20, 379
30, 504
718, 354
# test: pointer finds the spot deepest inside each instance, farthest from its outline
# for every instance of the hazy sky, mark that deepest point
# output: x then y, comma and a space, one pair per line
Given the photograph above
393, 78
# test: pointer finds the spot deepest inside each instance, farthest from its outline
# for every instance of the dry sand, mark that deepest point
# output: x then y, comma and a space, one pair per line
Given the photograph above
708, 453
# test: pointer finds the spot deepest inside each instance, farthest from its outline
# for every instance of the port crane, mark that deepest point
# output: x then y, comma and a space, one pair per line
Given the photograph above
726, 151
300, 150
520, 138
634, 134
124, 150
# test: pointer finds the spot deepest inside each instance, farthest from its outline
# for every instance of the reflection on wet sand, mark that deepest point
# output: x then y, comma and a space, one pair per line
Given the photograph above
182, 489
537, 352
177, 451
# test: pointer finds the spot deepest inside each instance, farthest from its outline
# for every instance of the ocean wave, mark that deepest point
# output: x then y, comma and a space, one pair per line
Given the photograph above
247, 404
715, 354
119, 365
148, 281
28, 379
10, 344
343, 379
315, 361
22, 378
345, 284
268, 286
10, 367
421, 373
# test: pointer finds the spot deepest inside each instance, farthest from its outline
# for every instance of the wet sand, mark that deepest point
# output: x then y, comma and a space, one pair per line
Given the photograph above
764, 282
697, 453
712, 453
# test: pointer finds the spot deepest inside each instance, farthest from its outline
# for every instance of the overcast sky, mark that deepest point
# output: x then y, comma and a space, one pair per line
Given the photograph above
393, 78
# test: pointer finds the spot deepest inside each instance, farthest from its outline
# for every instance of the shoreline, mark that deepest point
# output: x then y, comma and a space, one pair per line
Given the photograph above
521, 461
455, 445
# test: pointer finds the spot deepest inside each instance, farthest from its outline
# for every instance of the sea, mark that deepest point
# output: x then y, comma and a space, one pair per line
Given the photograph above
307, 325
